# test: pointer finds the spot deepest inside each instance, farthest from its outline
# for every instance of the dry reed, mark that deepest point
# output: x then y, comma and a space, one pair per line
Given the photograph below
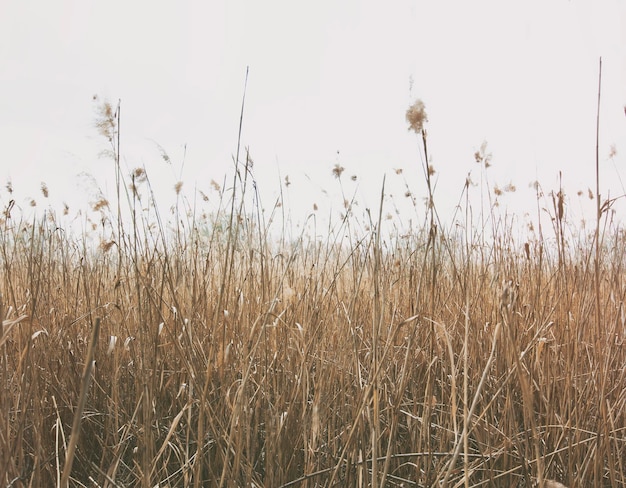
230, 357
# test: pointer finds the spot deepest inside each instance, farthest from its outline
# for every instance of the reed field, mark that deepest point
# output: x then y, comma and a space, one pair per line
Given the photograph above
185, 348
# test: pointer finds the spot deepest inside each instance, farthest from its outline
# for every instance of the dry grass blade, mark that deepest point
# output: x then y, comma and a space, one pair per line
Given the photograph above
7, 325
78, 414
466, 427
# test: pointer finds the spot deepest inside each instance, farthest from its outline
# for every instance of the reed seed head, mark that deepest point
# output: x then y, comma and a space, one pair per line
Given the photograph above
416, 116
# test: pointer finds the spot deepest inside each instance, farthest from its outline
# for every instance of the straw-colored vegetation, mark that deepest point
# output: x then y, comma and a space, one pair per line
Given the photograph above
206, 351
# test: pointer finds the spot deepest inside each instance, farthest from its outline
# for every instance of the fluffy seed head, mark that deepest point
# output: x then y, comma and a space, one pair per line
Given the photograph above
416, 116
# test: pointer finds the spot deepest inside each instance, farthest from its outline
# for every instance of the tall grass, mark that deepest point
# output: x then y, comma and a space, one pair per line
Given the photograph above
229, 357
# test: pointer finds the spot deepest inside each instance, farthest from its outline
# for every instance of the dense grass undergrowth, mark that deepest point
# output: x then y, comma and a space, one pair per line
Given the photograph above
227, 356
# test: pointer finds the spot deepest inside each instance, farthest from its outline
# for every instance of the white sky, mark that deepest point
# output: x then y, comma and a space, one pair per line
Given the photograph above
325, 76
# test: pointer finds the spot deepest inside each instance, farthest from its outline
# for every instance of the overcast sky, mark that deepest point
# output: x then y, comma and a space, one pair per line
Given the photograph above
329, 83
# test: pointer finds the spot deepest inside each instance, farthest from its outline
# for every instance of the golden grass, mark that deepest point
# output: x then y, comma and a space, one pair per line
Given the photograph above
228, 357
